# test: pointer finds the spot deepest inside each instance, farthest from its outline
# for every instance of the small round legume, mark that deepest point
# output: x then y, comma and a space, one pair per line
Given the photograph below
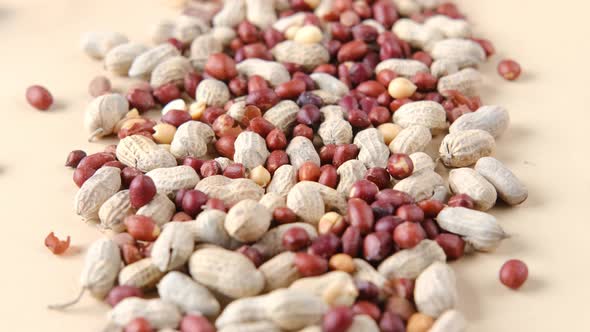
39, 97
408, 234
514, 273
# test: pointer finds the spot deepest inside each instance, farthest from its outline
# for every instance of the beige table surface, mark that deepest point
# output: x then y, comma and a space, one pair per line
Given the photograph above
546, 146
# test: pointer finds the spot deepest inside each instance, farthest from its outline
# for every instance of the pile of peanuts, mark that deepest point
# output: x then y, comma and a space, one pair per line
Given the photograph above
289, 184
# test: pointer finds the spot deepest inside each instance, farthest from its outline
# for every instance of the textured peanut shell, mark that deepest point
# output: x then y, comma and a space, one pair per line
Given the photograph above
467, 81
247, 220
223, 162
418, 35
363, 323
101, 266
159, 313
309, 201
257, 326
409, 263
223, 34
231, 14
334, 129
288, 309
326, 97
160, 209
261, 13
173, 247
465, 52
230, 191
350, 172
510, 189
336, 288
271, 243
443, 67
284, 23
227, 272
373, 151
365, 271
450, 28
464, 148
171, 179
201, 48
493, 119
403, 67
330, 84
191, 140
422, 162
103, 113
191, 297
162, 31
435, 290
119, 59
410, 140
468, 181
142, 274
142, 153
306, 55
282, 180
273, 72
478, 228
144, 64
271, 201
187, 28
250, 150
279, 271
283, 115
96, 190
171, 70
425, 113
114, 210
422, 185
212, 92
97, 44
450, 321
208, 228
301, 150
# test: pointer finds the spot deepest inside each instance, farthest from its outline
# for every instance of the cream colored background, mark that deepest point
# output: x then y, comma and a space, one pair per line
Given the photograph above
546, 146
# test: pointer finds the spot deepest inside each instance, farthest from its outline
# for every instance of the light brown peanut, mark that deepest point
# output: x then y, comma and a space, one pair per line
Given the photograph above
191, 140
159, 313
450, 321
363, 323
250, 150
435, 290
141, 152
422, 185
288, 309
464, 148
443, 67
493, 119
279, 271
114, 210
98, 43
119, 59
477, 228
416, 34
334, 129
96, 190
309, 201
365, 271
284, 178
467, 81
271, 201
410, 140
247, 220
257, 326
227, 272
232, 13
306, 55
212, 92
334, 288
143, 274
160, 209
426, 113
171, 70
510, 189
282, 115
230, 191
373, 151
271, 243
467, 181
300, 151
171, 179
103, 113
422, 162
409, 263
173, 247
402, 67
465, 52
202, 47
188, 295
329, 83
144, 64
350, 172
450, 28
209, 228
261, 13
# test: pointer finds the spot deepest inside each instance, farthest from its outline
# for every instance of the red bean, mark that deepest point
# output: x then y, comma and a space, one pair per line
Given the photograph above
391, 322
364, 189
138, 324
142, 228
310, 265
344, 152
367, 308
377, 246
388, 224
382, 209
400, 166
360, 215
284, 215
141, 191
514, 273
431, 228
193, 202
216, 204
118, 293
191, 81
176, 117
452, 244
235, 171
39, 97
195, 323
221, 67
210, 168
400, 306
509, 69
367, 290
351, 241
96, 160
325, 245
253, 254
308, 171
81, 174
309, 115
461, 200
395, 197
378, 176
74, 158
276, 159
328, 176
408, 235
141, 99
337, 319
167, 93
128, 174
296, 238
410, 212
